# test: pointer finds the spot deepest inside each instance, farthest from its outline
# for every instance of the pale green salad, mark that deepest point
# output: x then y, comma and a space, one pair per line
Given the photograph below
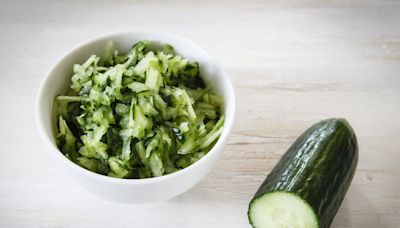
142, 114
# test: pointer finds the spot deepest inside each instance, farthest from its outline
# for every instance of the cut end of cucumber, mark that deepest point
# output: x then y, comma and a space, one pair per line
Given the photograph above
281, 210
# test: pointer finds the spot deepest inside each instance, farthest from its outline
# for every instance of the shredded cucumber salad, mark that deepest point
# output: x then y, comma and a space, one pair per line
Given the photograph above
142, 114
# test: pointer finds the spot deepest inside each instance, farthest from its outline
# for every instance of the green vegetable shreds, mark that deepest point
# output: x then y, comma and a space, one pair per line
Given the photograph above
142, 114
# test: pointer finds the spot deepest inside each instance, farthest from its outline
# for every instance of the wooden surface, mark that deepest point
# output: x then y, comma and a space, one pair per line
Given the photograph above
292, 63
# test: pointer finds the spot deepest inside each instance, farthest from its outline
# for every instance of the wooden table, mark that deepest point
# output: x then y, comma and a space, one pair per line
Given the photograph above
292, 64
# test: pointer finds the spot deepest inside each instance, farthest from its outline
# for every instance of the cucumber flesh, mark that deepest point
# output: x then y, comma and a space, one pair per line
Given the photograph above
281, 210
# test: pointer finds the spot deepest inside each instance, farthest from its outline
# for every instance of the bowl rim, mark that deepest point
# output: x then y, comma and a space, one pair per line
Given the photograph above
229, 110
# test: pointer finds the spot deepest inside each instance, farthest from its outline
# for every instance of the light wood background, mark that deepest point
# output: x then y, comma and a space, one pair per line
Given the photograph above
292, 63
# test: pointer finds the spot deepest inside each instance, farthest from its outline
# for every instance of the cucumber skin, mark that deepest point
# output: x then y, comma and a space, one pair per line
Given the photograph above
318, 167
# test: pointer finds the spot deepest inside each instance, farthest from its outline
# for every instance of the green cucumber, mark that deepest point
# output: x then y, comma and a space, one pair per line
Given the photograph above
307, 186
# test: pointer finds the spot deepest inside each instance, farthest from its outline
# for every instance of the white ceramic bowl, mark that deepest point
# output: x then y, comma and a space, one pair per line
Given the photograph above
161, 188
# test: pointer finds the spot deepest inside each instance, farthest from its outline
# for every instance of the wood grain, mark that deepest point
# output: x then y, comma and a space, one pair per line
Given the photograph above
292, 63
